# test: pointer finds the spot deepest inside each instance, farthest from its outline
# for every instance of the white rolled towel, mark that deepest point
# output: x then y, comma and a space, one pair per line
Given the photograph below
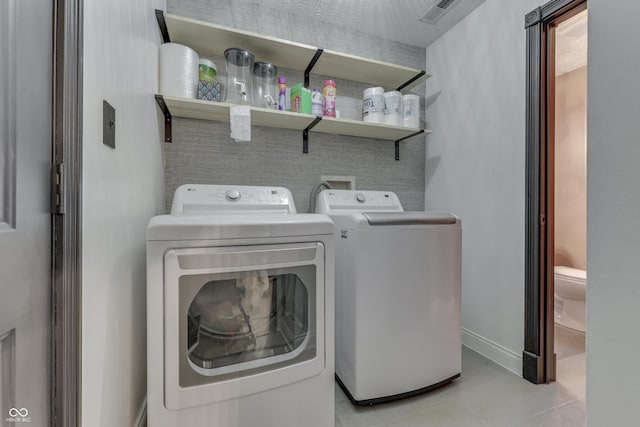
178, 69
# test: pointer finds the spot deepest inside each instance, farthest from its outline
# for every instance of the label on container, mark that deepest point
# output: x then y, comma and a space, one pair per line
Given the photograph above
329, 94
317, 103
300, 99
206, 73
393, 108
209, 91
373, 108
282, 97
411, 111
393, 105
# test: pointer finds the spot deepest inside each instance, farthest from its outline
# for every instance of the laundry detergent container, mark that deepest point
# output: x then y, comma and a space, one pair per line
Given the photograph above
570, 286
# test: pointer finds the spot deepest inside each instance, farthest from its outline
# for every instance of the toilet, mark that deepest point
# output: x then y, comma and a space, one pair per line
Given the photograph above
570, 286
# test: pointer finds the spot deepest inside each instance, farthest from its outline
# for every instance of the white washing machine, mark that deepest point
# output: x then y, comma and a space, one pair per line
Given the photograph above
239, 311
397, 296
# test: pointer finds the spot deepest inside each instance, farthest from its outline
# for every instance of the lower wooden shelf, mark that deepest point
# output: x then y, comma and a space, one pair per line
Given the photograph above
363, 129
219, 111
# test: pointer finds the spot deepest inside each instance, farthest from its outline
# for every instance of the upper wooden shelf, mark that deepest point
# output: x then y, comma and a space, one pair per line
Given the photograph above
212, 39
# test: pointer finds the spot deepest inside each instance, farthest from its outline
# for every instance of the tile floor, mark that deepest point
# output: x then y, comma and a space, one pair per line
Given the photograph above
570, 361
485, 395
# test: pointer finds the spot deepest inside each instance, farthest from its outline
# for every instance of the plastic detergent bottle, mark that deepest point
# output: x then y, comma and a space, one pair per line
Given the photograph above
282, 93
317, 102
329, 92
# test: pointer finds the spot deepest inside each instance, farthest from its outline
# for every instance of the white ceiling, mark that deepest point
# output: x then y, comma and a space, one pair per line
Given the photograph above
571, 44
396, 20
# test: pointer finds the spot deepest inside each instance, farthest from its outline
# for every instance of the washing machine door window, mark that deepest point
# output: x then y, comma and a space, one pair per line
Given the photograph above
241, 319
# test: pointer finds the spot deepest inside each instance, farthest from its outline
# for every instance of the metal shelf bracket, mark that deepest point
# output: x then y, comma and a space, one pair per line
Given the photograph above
411, 80
305, 134
162, 24
307, 71
167, 117
421, 131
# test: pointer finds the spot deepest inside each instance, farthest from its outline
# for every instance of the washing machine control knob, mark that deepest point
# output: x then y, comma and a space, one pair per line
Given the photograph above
360, 197
232, 195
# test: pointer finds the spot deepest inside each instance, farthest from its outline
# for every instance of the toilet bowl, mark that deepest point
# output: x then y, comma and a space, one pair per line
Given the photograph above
570, 286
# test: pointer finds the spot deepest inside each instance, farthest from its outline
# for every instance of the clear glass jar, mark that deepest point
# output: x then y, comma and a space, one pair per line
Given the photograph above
239, 76
265, 85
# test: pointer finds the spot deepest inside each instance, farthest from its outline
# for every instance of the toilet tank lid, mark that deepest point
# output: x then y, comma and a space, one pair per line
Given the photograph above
570, 272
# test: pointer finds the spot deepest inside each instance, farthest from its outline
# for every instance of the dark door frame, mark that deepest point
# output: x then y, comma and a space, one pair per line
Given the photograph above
66, 218
538, 358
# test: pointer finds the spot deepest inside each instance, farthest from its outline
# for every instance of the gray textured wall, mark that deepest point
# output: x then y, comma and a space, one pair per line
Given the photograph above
203, 152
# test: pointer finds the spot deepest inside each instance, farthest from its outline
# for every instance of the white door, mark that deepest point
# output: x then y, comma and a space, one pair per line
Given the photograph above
25, 158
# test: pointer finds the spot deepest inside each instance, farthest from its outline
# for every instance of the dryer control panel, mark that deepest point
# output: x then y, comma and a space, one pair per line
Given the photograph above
202, 198
336, 201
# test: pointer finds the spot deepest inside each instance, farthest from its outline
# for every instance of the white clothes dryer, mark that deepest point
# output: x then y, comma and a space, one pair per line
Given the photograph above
239, 311
397, 296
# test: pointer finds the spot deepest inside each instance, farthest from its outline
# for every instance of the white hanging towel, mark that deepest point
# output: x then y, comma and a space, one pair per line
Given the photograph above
240, 121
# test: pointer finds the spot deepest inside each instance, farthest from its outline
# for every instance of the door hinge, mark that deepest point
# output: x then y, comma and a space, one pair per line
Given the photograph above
542, 220
57, 189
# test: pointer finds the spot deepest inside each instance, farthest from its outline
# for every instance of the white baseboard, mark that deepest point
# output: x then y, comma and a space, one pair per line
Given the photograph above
492, 351
141, 419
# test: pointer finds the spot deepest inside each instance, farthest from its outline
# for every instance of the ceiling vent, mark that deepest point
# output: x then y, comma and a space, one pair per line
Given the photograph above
437, 11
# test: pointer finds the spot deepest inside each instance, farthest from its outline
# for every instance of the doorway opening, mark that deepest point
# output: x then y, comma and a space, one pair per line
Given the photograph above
556, 192
570, 202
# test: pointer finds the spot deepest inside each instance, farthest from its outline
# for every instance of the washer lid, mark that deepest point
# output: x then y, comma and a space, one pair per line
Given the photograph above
409, 218
346, 202
236, 226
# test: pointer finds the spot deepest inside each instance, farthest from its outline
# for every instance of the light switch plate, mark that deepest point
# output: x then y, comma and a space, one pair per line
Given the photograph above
108, 125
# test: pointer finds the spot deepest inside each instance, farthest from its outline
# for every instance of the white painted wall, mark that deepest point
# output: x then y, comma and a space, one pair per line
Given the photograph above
122, 189
613, 213
475, 167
